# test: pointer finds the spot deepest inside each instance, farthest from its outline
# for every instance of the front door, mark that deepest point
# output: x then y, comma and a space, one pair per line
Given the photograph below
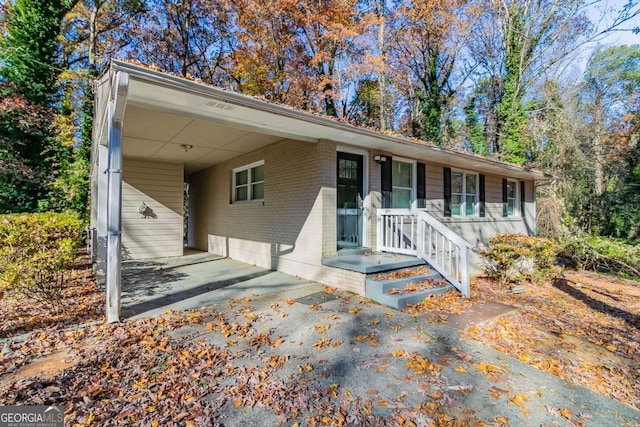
350, 200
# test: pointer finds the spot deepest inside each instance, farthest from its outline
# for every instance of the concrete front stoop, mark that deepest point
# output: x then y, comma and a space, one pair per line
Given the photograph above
372, 264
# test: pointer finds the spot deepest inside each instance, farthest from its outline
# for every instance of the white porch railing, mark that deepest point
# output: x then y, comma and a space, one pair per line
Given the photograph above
416, 232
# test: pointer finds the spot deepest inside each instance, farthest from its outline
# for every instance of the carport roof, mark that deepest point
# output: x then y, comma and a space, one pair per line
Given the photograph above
164, 112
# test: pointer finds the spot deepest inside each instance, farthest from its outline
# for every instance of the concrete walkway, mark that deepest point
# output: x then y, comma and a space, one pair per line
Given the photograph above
401, 364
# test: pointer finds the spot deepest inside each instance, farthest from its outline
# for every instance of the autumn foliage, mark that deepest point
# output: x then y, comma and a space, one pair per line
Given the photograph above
514, 257
36, 252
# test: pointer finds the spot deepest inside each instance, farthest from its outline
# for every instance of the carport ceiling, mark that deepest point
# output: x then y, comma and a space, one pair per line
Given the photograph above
159, 135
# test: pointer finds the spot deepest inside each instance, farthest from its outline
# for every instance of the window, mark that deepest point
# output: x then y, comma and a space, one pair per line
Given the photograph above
512, 198
248, 182
348, 169
402, 182
464, 194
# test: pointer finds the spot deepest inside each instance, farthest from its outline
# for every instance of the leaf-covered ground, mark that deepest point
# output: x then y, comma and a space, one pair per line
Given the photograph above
141, 373
269, 360
583, 327
82, 302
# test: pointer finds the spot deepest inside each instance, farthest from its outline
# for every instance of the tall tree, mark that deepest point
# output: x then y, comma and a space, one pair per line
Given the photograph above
187, 38
378, 11
267, 58
609, 106
294, 51
587, 134
92, 32
29, 47
28, 51
96, 30
327, 31
518, 42
475, 138
427, 39
554, 126
23, 179
365, 108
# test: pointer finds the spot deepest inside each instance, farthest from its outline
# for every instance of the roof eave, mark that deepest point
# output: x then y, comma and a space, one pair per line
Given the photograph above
182, 84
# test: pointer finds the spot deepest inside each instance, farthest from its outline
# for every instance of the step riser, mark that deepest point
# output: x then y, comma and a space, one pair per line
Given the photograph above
416, 297
378, 290
400, 301
387, 285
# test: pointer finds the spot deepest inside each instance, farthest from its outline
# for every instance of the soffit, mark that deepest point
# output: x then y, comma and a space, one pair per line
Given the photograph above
160, 135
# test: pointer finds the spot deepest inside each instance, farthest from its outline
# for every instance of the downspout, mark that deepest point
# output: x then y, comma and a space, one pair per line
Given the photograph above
114, 196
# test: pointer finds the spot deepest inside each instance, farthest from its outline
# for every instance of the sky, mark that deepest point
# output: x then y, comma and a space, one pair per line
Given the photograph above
616, 37
578, 61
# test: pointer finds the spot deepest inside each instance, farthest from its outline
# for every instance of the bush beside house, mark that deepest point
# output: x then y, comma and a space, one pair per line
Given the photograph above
36, 251
512, 258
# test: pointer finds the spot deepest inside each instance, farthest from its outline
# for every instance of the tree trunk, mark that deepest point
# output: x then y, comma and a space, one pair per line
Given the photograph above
382, 83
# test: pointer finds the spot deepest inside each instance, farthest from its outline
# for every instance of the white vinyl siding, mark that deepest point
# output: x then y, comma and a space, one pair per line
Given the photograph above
159, 186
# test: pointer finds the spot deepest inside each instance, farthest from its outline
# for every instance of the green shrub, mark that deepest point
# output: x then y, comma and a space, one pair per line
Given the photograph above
515, 257
36, 250
601, 254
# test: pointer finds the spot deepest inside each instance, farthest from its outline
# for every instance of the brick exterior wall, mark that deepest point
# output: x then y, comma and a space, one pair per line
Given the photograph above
294, 227
291, 229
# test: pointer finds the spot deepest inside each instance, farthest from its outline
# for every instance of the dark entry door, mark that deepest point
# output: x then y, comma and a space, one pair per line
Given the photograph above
350, 200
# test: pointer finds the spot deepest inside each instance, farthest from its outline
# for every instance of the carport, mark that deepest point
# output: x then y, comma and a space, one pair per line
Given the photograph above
200, 279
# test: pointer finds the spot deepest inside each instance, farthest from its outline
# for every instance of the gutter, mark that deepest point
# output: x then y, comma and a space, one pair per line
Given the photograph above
551, 180
115, 114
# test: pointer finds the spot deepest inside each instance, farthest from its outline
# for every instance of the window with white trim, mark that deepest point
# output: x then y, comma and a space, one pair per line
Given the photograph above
464, 194
512, 198
248, 182
402, 184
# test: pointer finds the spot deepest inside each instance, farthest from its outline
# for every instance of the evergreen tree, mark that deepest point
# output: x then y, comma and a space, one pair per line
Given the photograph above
29, 71
475, 138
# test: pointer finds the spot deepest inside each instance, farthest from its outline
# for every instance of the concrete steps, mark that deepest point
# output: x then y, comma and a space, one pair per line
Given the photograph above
390, 291
394, 292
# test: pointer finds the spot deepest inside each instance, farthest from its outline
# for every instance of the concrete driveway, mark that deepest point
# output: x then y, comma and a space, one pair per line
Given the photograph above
333, 345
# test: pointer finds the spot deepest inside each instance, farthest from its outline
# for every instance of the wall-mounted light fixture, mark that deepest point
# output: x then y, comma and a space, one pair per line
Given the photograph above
186, 147
146, 211
380, 159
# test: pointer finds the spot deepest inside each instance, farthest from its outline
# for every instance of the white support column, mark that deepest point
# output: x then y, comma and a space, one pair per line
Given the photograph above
464, 268
114, 201
379, 231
